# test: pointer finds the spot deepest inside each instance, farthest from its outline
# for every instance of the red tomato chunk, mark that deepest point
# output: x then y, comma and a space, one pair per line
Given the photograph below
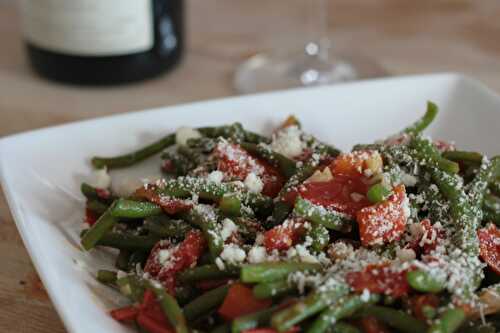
384, 222
379, 279
178, 258
489, 244
240, 301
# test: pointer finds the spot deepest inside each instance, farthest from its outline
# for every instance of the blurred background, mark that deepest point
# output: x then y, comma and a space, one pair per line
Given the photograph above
397, 37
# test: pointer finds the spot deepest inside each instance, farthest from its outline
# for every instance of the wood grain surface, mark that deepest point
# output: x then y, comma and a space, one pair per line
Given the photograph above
404, 36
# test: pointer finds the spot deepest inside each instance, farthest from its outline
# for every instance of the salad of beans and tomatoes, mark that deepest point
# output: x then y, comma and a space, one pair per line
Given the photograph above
247, 233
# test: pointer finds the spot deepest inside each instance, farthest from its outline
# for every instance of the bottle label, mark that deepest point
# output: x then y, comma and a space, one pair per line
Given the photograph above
89, 27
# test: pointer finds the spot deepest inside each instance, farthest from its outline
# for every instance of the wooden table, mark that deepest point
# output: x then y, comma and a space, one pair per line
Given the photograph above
404, 36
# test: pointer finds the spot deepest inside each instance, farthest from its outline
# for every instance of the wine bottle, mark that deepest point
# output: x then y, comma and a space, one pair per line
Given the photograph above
102, 41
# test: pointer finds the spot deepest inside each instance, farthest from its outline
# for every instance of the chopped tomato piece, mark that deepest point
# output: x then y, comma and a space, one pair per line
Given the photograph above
90, 217
371, 324
357, 163
443, 146
236, 163
489, 244
169, 205
152, 325
125, 314
384, 222
431, 236
168, 166
344, 193
240, 301
285, 235
164, 266
152, 309
379, 278
418, 302
103, 193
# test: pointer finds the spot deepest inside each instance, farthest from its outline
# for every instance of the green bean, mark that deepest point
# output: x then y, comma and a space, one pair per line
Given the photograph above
286, 166
230, 206
135, 209
235, 132
96, 206
429, 311
137, 258
312, 304
280, 213
205, 218
342, 327
92, 193
164, 227
397, 319
464, 218
222, 328
320, 215
132, 287
206, 145
378, 193
273, 271
170, 308
122, 260
205, 303
106, 277
125, 241
281, 208
426, 152
424, 282
103, 225
185, 294
492, 217
478, 186
492, 203
495, 187
342, 309
134, 157
207, 272
463, 156
253, 320
272, 289
320, 237
184, 186
448, 322
420, 125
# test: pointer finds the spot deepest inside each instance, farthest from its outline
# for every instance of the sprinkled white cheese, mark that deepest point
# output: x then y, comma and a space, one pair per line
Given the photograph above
183, 134
228, 228
365, 296
125, 186
257, 254
254, 183
408, 180
101, 178
215, 176
288, 142
233, 254
405, 254
220, 264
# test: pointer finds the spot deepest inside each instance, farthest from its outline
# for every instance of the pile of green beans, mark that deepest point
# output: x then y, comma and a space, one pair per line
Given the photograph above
303, 282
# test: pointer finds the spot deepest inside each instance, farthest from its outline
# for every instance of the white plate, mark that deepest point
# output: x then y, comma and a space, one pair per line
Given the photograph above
41, 170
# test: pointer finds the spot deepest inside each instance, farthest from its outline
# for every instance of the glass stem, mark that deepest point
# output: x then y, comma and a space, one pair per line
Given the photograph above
319, 45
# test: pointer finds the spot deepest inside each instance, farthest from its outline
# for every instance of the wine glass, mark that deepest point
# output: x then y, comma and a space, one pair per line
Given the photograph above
314, 64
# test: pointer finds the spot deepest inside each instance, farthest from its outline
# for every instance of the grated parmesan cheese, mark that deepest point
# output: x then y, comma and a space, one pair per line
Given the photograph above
254, 183
183, 134
288, 142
